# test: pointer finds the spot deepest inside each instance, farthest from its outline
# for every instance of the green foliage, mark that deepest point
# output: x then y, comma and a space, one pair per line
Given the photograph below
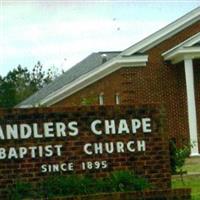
20, 83
72, 185
103, 185
20, 191
88, 101
178, 157
127, 181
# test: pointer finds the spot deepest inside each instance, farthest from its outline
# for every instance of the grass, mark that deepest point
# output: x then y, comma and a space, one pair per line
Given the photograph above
192, 180
189, 182
192, 165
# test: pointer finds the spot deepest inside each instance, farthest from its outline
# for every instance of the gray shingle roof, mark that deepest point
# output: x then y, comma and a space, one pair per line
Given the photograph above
89, 63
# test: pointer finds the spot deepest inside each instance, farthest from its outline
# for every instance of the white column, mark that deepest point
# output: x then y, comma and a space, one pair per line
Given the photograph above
192, 116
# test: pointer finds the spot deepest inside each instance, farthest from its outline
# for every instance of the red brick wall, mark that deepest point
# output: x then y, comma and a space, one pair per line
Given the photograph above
109, 86
152, 164
172, 89
180, 194
158, 82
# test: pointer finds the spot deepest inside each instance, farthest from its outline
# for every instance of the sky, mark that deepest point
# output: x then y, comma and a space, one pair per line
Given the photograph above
61, 33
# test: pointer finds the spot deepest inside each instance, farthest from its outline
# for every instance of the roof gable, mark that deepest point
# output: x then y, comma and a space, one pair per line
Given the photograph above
164, 33
189, 48
83, 67
92, 68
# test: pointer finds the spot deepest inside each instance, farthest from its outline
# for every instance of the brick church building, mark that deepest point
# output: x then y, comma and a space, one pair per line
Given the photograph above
163, 68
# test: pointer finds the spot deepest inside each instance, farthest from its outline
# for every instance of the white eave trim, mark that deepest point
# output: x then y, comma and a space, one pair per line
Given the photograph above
24, 106
164, 33
184, 50
192, 40
93, 76
180, 54
187, 43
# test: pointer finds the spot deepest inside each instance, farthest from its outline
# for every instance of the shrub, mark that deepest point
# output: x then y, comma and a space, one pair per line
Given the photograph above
66, 185
119, 181
20, 190
127, 181
178, 157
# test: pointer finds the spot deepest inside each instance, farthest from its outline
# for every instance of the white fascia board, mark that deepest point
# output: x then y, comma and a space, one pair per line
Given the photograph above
193, 40
187, 43
24, 106
133, 59
183, 53
164, 33
93, 76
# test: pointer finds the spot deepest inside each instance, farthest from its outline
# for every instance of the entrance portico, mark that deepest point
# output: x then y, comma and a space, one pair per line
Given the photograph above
186, 52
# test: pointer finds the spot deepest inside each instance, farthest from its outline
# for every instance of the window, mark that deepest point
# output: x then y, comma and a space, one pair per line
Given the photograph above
101, 98
117, 99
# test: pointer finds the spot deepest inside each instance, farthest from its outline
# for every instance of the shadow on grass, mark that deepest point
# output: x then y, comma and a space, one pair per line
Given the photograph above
189, 181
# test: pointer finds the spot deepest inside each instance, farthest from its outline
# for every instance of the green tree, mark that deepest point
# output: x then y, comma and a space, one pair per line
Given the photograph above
20, 83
